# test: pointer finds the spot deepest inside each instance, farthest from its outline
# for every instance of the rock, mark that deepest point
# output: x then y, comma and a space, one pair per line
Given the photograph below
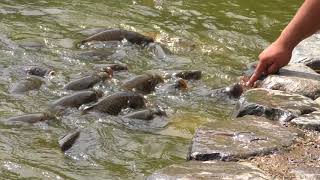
307, 173
213, 170
308, 121
239, 139
274, 105
298, 79
307, 50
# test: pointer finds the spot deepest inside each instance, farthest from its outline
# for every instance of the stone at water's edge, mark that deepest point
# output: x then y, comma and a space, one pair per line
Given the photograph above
307, 173
213, 170
308, 121
274, 105
239, 139
307, 50
295, 78
306, 87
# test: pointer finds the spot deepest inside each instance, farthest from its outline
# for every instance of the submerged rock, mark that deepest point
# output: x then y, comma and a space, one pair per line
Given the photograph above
308, 121
144, 83
240, 138
114, 103
214, 170
29, 118
67, 141
76, 99
88, 81
28, 84
273, 104
119, 35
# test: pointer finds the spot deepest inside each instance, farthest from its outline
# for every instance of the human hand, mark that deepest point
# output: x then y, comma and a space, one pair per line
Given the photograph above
271, 60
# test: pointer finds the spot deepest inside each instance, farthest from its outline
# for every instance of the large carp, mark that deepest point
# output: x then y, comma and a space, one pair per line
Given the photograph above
77, 99
29, 118
114, 103
119, 35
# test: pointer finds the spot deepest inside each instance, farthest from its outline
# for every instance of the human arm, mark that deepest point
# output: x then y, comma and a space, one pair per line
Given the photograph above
305, 23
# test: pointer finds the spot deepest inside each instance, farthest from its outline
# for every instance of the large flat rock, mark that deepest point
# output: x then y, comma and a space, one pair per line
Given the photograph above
273, 104
307, 173
295, 78
240, 138
209, 170
308, 121
307, 50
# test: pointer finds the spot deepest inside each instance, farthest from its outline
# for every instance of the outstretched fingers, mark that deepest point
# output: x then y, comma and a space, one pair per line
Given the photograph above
261, 68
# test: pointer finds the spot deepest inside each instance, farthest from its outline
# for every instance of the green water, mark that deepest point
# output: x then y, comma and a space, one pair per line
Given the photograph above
219, 37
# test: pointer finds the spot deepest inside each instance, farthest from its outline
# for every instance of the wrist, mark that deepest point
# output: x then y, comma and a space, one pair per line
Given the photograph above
286, 43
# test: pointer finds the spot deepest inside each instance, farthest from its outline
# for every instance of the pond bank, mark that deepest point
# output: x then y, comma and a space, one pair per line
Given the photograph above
273, 133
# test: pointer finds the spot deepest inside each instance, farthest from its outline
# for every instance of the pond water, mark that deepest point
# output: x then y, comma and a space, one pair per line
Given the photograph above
218, 37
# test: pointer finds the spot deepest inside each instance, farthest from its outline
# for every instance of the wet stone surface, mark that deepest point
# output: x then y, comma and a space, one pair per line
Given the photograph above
298, 79
307, 173
209, 170
308, 121
240, 138
274, 105
307, 50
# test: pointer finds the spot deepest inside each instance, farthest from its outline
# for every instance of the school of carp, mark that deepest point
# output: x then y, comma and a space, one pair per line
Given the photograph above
132, 94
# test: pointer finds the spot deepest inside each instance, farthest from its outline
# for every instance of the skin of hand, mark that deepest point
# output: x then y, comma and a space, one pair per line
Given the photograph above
278, 54
271, 60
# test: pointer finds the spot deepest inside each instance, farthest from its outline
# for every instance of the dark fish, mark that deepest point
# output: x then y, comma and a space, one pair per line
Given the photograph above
68, 140
87, 81
114, 103
147, 114
39, 71
29, 118
144, 83
231, 92
179, 84
119, 35
189, 75
114, 67
28, 84
76, 99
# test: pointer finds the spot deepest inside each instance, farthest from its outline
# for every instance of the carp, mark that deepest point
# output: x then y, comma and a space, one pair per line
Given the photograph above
67, 141
144, 83
119, 35
114, 103
77, 99
88, 81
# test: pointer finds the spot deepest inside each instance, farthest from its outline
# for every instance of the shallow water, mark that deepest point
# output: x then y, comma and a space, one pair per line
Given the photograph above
219, 37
